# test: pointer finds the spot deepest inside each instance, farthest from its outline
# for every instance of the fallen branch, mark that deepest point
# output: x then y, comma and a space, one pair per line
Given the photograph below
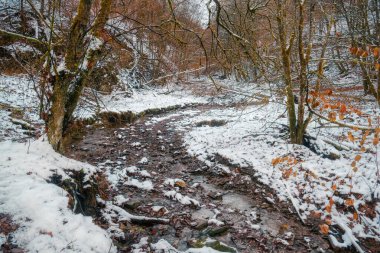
348, 237
355, 127
337, 146
140, 220
170, 75
24, 125
219, 87
295, 205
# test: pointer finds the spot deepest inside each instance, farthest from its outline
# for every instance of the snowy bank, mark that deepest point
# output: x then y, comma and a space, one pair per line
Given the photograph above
255, 137
46, 224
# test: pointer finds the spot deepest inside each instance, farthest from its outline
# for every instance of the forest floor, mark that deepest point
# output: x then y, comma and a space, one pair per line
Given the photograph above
231, 208
195, 167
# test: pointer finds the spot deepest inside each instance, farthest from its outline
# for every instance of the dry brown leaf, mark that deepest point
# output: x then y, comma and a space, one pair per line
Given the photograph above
350, 137
349, 202
180, 183
324, 229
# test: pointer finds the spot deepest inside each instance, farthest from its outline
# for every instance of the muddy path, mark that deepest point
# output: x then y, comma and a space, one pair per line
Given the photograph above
233, 207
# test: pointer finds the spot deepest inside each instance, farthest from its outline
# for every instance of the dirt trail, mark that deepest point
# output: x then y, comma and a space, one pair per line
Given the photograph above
250, 217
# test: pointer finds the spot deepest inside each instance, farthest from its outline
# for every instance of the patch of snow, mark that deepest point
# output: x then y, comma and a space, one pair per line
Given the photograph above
143, 160
144, 185
253, 137
41, 208
141, 101
185, 200
119, 200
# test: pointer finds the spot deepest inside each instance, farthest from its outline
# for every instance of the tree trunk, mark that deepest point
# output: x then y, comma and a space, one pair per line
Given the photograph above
68, 87
55, 127
286, 65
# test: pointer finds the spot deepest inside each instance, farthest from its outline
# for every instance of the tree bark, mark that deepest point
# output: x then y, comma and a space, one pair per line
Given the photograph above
286, 65
68, 84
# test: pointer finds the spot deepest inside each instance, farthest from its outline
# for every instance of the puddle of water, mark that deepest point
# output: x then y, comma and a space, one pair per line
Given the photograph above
237, 201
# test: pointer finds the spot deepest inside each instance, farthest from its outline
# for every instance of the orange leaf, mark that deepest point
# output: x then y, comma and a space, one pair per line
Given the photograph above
376, 141
180, 183
356, 216
349, 202
377, 66
353, 50
351, 137
315, 104
343, 109
324, 229
331, 201
328, 209
333, 187
359, 52
357, 158
376, 52
332, 116
276, 161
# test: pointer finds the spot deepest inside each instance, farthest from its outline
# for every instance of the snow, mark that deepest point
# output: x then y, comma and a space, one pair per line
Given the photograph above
119, 200
17, 100
173, 182
215, 222
141, 101
143, 160
252, 137
184, 200
144, 185
41, 208
20, 47
162, 246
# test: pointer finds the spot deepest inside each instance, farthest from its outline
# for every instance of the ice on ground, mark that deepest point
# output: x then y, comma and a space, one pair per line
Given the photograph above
41, 208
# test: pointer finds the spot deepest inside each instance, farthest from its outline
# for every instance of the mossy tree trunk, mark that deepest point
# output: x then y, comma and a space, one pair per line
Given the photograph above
68, 83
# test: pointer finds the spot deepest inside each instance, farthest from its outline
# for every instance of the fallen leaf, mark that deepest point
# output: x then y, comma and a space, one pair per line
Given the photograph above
357, 158
349, 202
324, 229
180, 183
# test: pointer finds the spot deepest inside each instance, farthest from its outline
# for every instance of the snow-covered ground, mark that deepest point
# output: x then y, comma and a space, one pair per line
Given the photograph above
46, 224
18, 101
255, 137
252, 137
139, 101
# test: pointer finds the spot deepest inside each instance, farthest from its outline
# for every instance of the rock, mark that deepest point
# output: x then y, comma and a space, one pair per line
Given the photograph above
214, 244
217, 231
132, 204
201, 224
